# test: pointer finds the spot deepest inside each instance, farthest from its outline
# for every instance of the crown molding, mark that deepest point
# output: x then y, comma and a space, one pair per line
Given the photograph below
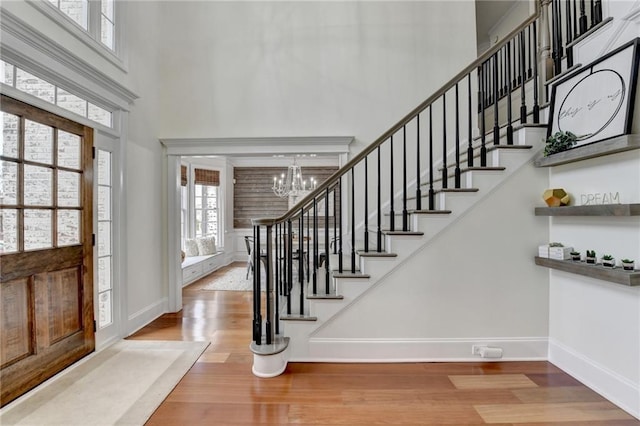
17, 34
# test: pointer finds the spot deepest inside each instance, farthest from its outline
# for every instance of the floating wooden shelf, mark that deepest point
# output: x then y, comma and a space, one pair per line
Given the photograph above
595, 210
592, 150
615, 275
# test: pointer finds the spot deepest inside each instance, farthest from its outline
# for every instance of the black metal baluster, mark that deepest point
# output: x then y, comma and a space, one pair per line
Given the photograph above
575, 20
379, 213
597, 12
520, 67
289, 254
469, 123
405, 215
514, 82
432, 194
501, 73
335, 220
496, 118
593, 12
457, 169
483, 136
268, 288
568, 34
366, 204
523, 104
536, 106
301, 260
257, 314
418, 191
308, 240
392, 213
445, 172
583, 18
315, 246
353, 222
509, 103
529, 53
326, 241
277, 266
557, 38
339, 242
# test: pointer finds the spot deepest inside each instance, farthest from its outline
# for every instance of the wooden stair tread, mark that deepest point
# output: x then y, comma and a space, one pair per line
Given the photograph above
349, 274
320, 296
411, 233
297, 317
430, 212
454, 190
375, 254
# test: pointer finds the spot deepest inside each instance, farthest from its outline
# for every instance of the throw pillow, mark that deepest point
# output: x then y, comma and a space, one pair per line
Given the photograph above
191, 248
206, 245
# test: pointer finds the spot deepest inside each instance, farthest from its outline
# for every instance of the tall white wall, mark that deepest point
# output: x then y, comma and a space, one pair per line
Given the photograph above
594, 331
306, 68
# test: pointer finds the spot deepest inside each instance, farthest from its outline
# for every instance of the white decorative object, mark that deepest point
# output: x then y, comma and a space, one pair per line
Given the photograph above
190, 247
560, 253
206, 245
543, 251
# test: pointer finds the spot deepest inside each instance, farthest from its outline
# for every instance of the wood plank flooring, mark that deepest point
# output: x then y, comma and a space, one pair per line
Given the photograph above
221, 390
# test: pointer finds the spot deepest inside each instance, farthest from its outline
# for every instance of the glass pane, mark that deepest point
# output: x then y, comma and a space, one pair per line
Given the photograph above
106, 32
107, 8
71, 102
68, 227
37, 229
104, 167
68, 189
99, 115
211, 191
198, 202
104, 309
38, 142
104, 273
211, 203
104, 203
35, 86
8, 230
69, 151
198, 189
104, 238
9, 146
6, 73
198, 223
9, 182
212, 215
76, 10
38, 182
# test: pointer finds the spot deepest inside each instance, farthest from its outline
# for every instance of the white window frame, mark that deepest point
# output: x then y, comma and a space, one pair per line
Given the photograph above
194, 209
91, 36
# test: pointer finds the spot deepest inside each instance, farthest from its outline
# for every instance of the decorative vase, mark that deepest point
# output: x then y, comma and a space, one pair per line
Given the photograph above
628, 266
591, 260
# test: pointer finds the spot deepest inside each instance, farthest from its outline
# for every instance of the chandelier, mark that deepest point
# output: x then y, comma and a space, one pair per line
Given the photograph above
291, 184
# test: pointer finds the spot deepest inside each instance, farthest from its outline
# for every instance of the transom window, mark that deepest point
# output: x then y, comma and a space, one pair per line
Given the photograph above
35, 86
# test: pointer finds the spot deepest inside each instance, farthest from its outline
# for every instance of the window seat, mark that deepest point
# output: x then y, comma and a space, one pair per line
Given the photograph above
196, 267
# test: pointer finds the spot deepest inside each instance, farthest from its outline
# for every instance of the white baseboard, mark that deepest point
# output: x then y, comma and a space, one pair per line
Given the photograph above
617, 389
144, 316
421, 350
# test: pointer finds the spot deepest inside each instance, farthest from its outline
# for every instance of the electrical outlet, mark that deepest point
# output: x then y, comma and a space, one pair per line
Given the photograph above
475, 349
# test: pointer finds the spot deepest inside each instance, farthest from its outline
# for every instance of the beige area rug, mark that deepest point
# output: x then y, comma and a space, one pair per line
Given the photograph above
120, 385
234, 279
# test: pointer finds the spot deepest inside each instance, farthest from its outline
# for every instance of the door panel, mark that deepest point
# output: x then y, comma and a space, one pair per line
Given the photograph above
46, 246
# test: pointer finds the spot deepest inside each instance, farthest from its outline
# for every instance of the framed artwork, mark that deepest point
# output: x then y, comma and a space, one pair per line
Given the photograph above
596, 102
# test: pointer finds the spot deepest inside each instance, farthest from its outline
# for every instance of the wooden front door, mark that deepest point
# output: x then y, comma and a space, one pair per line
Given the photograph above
46, 269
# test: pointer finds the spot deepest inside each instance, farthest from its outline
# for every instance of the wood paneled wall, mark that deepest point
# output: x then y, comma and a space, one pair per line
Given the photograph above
253, 197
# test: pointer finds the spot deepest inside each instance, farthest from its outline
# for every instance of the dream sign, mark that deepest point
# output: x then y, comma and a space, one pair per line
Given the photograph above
595, 102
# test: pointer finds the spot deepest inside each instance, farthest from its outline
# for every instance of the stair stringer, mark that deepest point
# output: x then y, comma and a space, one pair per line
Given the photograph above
307, 340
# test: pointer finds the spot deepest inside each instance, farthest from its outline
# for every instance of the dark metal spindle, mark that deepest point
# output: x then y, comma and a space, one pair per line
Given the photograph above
509, 103
536, 106
353, 222
568, 34
575, 20
379, 212
308, 251
457, 169
523, 104
366, 203
583, 18
301, 260
469, 124
392, 213
445, 172
432, 194
340, 266
496, 118
529, 53
326, 241
597, 12
418, 191
483, 136
557, 38
335, 220
315, 245
289, 254
405, 215
501, 72
593, 12
268, 288
257, 314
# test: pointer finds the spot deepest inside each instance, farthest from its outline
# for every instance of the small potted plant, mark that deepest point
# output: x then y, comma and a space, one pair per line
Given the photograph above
608, 261
591, 256
575, 255
627, 264
559, 141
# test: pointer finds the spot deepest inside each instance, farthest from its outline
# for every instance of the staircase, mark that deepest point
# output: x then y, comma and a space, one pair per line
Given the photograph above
370, 237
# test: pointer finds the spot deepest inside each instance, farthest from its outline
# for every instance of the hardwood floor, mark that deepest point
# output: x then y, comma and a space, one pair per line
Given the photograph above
221, 390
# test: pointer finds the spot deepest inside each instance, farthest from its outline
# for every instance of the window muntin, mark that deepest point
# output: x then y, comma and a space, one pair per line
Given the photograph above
35, 86
95, 18
206, 211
